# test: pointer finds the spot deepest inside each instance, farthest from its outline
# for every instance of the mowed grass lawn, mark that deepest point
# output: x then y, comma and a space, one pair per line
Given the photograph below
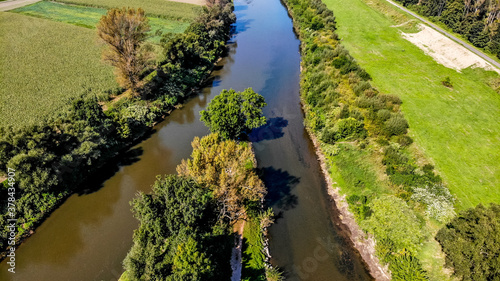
89, 17
457, 129
161, 8
45, 63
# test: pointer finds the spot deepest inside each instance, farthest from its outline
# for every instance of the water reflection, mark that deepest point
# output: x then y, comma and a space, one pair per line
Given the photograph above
279, 185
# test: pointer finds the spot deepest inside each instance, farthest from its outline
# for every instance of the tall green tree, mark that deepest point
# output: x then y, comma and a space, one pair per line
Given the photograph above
232, 114
471, 242
124, 31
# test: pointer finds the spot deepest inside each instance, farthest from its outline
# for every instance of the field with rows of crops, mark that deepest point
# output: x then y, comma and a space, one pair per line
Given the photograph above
51, 54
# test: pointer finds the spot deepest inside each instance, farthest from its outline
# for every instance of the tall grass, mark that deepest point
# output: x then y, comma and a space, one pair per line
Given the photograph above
89, 17
45, 63
161, 8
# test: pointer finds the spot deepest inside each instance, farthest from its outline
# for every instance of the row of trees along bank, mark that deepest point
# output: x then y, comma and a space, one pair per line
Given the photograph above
55, 157
478, 21
185, 230
362, 130
357, 125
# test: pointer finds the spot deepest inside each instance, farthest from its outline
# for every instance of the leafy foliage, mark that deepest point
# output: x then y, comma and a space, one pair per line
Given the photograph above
438, 200
125, 30
233, 114
177, 217
393, 220
471, 242
227, 168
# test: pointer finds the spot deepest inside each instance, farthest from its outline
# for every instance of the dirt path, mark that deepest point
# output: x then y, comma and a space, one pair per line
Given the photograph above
236, 254
13, 4
449, 35
445, 51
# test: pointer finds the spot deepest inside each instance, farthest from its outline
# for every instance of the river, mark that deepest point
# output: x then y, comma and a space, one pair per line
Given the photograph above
88, 236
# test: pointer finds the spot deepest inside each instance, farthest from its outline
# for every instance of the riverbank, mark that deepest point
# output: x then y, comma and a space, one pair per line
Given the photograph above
384, 190
365, 244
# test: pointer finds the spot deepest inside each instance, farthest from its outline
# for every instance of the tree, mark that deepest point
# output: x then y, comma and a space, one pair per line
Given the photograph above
124, 31
189, 263
177, 209
233, 114
227, 168
471, 242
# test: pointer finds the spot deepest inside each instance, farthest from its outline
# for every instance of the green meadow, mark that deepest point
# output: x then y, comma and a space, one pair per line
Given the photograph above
160, 8
89, 17
456, 129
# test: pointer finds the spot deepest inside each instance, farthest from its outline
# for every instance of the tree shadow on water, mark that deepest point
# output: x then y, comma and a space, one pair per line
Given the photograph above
272, 130
108, 170
279, 185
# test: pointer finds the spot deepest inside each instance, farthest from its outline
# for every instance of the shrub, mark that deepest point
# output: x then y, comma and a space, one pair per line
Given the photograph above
406, 267
396, 125
404, 140
344, 129
361, 87
447, 82
438, 200
383, 115
393, 220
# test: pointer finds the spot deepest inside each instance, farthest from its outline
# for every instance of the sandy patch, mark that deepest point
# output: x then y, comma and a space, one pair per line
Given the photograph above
196, 2
446, 51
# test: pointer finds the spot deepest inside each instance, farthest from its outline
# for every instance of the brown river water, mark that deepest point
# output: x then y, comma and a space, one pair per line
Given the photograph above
88, 236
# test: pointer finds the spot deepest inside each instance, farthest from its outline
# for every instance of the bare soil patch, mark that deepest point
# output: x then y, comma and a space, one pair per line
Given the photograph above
446, 51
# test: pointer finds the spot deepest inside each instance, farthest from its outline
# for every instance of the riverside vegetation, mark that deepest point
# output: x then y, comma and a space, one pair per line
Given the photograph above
53, 158
185, 230
394, 194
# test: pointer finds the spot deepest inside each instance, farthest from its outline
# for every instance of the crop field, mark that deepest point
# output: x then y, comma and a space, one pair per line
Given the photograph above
89, 17
161, 8
456, 128
45, 63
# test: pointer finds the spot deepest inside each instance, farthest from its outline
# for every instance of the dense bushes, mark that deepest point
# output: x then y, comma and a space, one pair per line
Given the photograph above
54, 158
471, 242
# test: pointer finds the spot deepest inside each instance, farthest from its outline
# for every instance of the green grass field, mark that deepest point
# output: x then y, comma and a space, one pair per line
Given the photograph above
89, 17
43, 64
457, 129
161, 8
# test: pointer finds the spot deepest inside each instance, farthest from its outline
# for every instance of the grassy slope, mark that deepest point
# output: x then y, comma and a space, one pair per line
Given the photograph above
163, 8
43, 64
456, 129
89, 17
252, 256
